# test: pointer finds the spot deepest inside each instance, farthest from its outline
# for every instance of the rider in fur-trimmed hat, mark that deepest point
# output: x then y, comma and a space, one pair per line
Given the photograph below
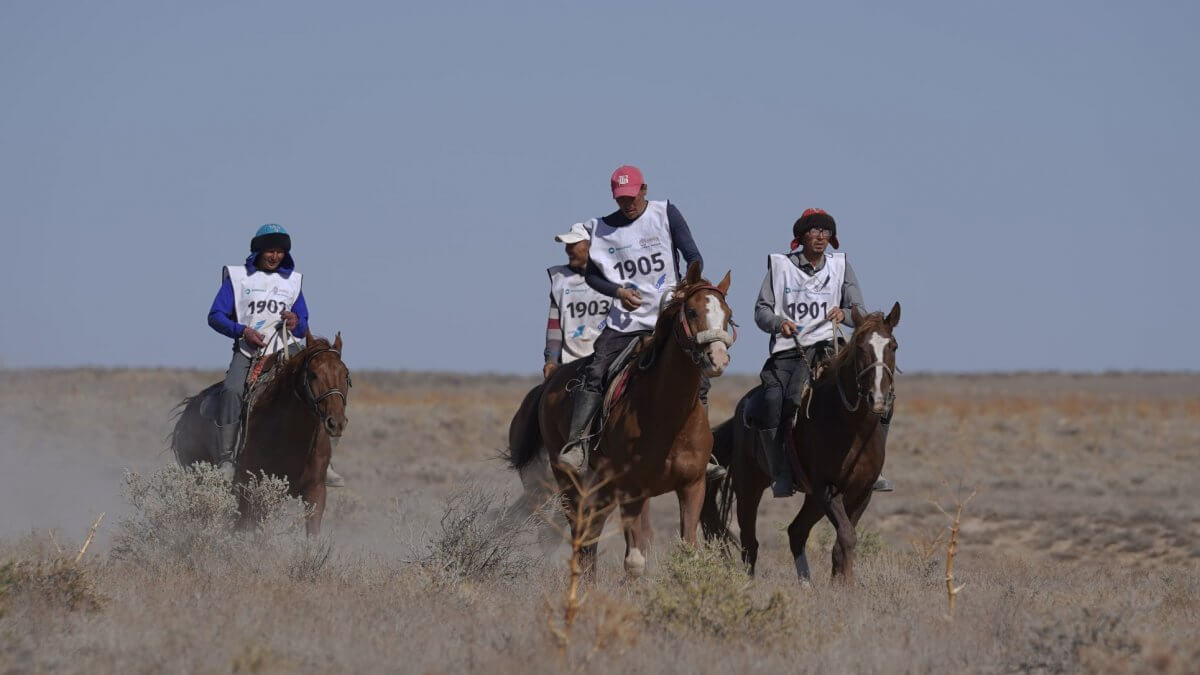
804, 292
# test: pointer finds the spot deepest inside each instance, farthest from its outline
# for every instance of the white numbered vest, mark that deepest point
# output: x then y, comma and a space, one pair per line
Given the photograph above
640, 255
582, 312
806, 300
258, 300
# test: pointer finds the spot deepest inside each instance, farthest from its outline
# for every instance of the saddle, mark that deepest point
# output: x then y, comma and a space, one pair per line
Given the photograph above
262, 373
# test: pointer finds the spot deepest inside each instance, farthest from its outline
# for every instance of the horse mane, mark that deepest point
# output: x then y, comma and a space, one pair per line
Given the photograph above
870, 322
670, 314
286, 370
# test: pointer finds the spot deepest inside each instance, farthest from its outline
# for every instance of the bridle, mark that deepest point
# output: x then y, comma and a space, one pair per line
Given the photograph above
694, 345
305, 393
863, 389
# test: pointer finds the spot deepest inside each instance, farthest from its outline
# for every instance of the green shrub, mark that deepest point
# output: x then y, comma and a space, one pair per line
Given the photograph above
701, 591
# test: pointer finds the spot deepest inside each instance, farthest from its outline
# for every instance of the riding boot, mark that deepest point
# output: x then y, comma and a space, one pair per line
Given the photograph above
714, 471
333, 478
882, 484
775, 450
574, 453
227, 436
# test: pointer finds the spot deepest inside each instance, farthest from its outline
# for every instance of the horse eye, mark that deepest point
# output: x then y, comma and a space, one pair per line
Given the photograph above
689, 313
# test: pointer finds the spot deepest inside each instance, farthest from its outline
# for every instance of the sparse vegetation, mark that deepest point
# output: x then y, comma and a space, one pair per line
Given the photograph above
1071, 565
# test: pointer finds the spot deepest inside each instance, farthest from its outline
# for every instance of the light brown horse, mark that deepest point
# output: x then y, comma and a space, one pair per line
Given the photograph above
837, 441
657, 438
290, 423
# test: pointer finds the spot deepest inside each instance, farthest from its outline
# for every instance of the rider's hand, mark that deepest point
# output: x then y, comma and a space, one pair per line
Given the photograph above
836, 315
787, 328
253, 337
289, 319
630, 298
548, 369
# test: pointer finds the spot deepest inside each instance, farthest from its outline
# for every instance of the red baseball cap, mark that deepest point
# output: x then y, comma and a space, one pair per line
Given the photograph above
626, 181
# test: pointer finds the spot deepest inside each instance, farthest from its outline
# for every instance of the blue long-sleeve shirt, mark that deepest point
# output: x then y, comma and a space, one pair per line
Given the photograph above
681, 239
222, 316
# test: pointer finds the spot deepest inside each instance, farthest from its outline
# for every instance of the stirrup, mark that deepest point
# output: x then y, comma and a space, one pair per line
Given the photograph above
714, 470
574, 455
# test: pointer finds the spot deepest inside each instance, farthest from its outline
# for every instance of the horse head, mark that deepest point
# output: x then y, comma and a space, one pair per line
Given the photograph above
874, 352
324, 382
705, 321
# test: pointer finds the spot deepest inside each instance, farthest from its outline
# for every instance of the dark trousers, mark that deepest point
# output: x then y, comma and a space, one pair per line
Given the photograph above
783, 377
608, 347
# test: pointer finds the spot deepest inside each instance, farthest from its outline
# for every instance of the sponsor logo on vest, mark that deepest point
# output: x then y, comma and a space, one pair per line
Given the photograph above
578, 332
661, 280
650, 242
618, 248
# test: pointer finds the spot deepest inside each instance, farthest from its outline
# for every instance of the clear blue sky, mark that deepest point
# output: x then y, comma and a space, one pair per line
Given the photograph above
1014, 173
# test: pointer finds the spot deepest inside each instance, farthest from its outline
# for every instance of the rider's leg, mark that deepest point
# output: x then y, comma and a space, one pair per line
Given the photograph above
714, 471
882, 484
769, 417
589, 397
230, 410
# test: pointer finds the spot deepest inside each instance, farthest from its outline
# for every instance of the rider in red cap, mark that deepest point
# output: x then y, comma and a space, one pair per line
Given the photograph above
634, 258
804, 292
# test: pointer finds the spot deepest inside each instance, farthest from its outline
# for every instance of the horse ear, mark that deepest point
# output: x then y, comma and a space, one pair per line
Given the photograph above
724, 285
893, 317
337, 343
693, 273
308, 339
856, 315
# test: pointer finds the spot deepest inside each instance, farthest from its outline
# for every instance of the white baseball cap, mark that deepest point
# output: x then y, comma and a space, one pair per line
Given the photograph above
578, 233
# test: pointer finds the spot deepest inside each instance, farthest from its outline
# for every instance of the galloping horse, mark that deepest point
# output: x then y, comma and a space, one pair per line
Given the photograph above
293, 414
836, 441
656, 438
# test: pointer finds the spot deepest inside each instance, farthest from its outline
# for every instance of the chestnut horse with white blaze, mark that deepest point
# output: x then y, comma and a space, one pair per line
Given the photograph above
656, 438
292, 417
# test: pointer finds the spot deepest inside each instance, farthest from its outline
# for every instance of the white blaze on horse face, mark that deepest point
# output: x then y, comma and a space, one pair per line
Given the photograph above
714, 318
878, 344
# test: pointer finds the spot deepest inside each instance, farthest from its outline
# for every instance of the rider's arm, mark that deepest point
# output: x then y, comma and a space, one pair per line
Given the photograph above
764, 308
681, 236
599, 283
221, 316
553, 351
851, 294
300, 309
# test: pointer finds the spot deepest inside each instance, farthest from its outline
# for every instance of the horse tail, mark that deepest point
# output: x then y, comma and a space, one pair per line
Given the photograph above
524, 432
718, 498
192, 436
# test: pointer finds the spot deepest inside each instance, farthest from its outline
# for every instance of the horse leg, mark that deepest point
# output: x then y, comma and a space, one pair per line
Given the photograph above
314, 497
691, 501
747, 518
847, 539
799, 529
632, 521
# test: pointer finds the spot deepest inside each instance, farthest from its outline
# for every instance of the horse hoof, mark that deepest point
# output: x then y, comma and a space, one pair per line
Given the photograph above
635, 564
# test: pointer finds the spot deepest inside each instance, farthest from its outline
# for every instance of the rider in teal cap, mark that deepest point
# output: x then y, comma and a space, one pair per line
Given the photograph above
254, 297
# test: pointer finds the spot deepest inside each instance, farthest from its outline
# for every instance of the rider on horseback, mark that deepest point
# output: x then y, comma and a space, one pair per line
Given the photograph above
245, 308
577, 312
804, 293
634, 258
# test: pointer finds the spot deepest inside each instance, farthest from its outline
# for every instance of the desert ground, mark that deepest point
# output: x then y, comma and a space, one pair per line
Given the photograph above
1079, 552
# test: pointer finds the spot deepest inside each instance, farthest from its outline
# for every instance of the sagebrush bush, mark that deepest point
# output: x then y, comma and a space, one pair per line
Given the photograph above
59, 582
185, 516
702, 591
474, 541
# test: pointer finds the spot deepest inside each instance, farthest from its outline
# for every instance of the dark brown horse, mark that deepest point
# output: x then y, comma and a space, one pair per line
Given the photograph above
299, 404
657, 438
837, 442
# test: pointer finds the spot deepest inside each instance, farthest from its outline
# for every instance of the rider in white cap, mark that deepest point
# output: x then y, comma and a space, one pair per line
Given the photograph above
577, 312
